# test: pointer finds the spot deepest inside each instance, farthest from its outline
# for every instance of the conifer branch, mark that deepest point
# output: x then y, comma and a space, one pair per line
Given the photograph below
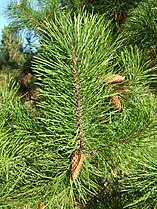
128, 138
29, 17
79, 134
133, 136
77, 156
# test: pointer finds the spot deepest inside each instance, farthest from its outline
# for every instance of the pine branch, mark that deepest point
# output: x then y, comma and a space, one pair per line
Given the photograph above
133, 136
28, 16
79, 135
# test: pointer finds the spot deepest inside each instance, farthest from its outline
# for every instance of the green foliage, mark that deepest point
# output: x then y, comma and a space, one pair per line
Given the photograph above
111, 6
140, 174
119, 168
16, 142
11, 55
101, 6
30, 14
141, 27
36, 146
57, 105
114, 10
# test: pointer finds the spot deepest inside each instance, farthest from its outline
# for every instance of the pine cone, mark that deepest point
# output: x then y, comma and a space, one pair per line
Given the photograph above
115, 78
123, 90
42, 206
76, 163
111, 79
116, 101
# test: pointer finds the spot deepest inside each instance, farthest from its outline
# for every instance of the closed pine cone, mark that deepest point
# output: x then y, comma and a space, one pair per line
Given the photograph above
76, 164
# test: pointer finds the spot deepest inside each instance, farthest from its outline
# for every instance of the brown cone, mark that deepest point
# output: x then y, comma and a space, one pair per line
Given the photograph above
76, 164
115, 78
116, 101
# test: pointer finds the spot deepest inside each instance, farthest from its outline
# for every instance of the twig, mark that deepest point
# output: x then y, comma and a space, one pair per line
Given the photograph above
78, 102
29, 17
129, 138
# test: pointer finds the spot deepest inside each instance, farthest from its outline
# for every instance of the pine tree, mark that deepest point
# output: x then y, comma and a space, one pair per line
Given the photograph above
28, 14
92, 135
117, 11
141, 26
11, 55
32, 14
140, 30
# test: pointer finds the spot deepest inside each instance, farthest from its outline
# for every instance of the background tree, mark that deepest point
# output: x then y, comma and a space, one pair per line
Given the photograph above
141, 28
11, 49
12, 57
32, 14
15, 61
117, 11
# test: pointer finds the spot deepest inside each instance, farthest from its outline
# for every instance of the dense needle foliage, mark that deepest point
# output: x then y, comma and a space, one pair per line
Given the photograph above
119, 144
